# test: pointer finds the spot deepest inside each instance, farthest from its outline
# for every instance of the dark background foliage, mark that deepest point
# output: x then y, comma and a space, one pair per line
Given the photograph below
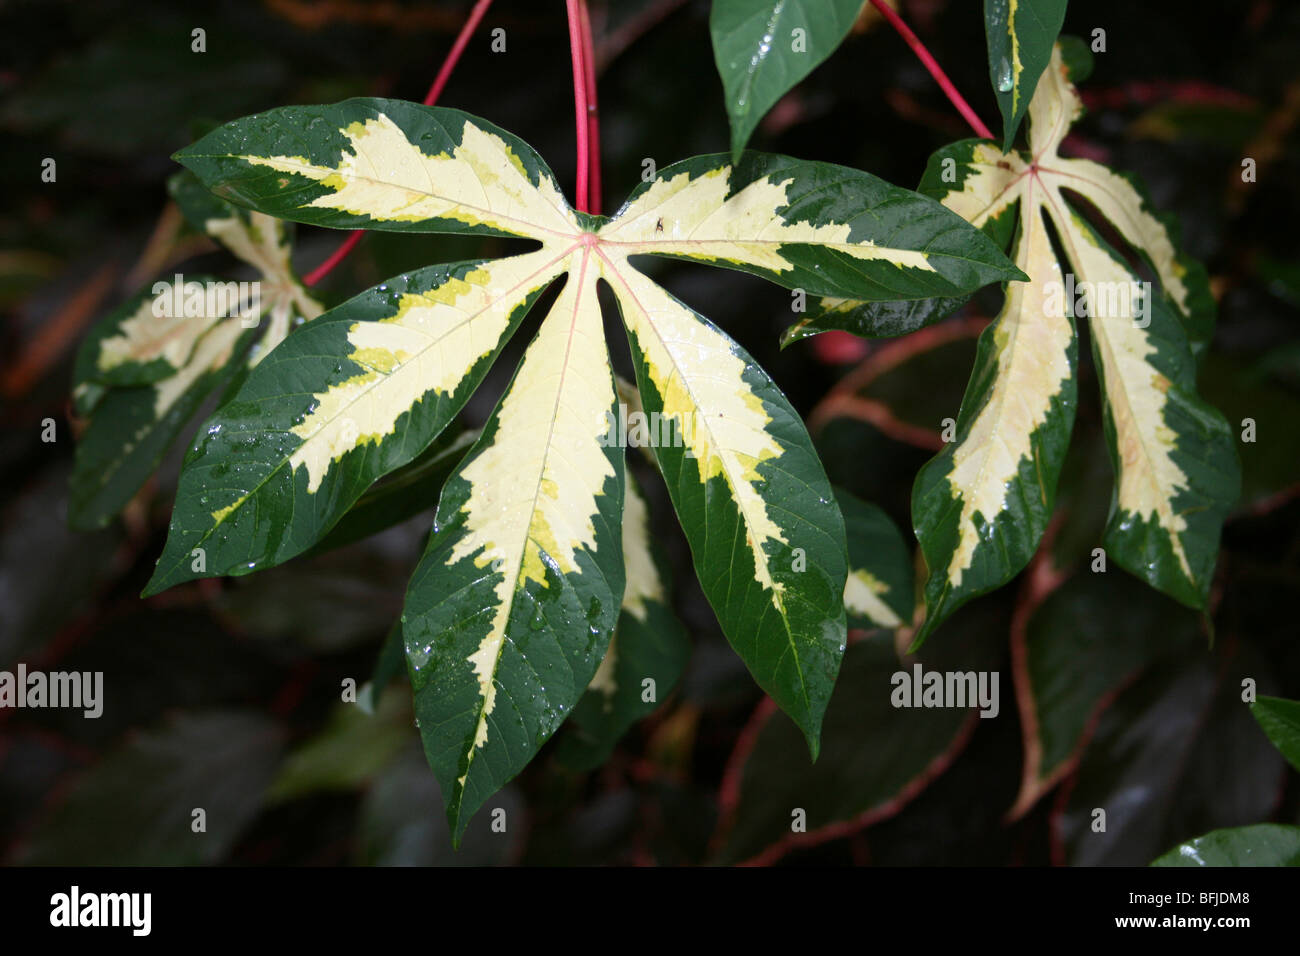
225, 694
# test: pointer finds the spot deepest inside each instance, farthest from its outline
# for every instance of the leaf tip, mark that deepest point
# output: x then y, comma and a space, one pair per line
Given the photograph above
922, 633
158, 582
814, 738
797, 333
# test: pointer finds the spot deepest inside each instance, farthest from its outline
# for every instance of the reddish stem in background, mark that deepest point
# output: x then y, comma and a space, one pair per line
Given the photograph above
932, 65
335, 257
435, 91
593, 113
576, 9
457, 48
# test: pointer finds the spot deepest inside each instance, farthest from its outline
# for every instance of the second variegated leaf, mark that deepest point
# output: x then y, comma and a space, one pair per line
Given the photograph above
981, 506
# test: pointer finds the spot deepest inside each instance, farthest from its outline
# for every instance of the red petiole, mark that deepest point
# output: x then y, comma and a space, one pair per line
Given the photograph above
929, 62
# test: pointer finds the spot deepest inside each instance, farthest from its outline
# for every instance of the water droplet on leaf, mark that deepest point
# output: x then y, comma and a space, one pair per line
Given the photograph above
1004, 76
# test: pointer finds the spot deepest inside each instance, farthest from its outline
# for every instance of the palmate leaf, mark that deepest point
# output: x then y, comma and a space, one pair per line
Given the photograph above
980, 507
148, 338
513, 606
147, 367
1021, 35
526, 541
131, 428
751, 494
764, 47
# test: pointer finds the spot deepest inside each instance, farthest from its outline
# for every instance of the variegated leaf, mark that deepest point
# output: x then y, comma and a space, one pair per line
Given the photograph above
879, 588
980, 507
646, 655
513, 605
1177, 470
154, 335
131, 428
1120, 199
979, 184
350, 397
402, 494
1021, 35
261, 241
767, 537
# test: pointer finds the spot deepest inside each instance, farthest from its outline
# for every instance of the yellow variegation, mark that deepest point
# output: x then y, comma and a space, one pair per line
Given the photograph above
1032, 339
1053, 110
1017, 67
643, 584
431, 342
699, 218
1021, 34
261, 242
512, 609
533, 490
213, 351
990, 188
863, 596
981, 506
1137, 393
156, 331
385, 176
701, 381
1123, 206
149, 370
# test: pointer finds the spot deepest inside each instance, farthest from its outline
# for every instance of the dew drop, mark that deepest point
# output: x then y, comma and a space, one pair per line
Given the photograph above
1004, 75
